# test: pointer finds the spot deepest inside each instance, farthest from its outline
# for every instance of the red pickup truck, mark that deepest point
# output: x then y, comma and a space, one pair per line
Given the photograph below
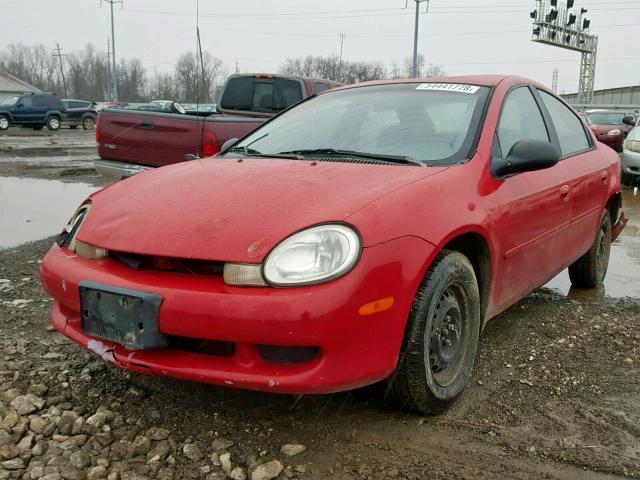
130, 141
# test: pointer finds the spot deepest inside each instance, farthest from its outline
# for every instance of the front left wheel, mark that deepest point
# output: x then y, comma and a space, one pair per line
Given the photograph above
53, 123
441, 338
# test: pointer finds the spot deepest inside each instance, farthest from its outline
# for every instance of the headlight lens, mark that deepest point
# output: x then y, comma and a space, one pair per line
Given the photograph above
68, 236
315, 255
613, 133
632, 145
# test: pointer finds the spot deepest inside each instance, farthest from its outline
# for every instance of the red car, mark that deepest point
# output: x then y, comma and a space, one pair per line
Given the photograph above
365, 235
612, 127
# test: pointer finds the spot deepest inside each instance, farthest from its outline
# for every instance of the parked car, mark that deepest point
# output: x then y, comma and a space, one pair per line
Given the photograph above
367, 234
592, 126
79, 113
612, 127
203, 110
167, 106
33, 110
631, 154
142, 137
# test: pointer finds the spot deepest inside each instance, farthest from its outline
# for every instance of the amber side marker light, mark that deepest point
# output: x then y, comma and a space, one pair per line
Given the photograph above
376, 306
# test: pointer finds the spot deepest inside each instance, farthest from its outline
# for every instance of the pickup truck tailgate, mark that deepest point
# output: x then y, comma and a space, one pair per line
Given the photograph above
156, 139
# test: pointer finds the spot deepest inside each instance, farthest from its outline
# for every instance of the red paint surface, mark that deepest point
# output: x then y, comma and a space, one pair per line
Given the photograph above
535, 225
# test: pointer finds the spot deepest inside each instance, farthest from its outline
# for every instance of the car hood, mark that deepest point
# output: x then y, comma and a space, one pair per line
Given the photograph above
634, 134
604, 129
229, 209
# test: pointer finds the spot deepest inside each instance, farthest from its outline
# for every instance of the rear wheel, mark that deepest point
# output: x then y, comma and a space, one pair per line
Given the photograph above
88, 123
53, 123
441, 338
590, 270
4, 122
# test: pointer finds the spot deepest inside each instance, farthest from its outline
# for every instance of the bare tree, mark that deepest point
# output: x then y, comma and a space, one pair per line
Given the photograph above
424, 70
198, 82
329, 67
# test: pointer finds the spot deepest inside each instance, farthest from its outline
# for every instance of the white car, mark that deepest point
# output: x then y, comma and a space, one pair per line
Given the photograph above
631, 153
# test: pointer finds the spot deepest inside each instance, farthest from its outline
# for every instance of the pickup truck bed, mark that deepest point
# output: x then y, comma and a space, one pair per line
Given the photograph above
130, 135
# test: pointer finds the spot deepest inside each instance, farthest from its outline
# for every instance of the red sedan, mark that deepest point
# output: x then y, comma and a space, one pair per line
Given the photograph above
365, 235
612, 127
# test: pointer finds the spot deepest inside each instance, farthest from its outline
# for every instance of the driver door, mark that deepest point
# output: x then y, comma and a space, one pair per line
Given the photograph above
532, 209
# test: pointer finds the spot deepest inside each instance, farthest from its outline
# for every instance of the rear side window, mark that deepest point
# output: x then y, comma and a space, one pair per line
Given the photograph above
571, 134
45, 101
520, 120
261, 94
26, 101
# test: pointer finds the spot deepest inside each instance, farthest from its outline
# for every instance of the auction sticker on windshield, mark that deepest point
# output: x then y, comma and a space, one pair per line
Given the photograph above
449, 87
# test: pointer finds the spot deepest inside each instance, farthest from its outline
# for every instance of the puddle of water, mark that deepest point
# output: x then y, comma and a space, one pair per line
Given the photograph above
31, 209
623, 275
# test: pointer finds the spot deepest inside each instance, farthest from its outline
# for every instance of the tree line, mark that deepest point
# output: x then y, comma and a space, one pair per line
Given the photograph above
86, 73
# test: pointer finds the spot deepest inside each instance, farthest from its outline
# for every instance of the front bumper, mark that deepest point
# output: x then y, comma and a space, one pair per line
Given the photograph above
614, 142
630, 162
353, 350
118, 170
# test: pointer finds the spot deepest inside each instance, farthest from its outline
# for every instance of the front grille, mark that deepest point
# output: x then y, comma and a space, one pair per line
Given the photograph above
168, 264
218, 348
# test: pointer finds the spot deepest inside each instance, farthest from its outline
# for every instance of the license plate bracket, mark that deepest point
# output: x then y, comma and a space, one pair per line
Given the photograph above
121, 315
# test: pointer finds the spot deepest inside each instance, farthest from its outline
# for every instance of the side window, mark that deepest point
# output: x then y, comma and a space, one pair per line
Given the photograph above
520, 120
569, 128
26, 101
320, 87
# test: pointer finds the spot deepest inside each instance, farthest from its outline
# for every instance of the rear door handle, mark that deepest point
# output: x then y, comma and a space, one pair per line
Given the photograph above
147, 124
564, 191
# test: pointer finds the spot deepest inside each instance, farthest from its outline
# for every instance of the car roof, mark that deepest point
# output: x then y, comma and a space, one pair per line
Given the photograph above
481, 80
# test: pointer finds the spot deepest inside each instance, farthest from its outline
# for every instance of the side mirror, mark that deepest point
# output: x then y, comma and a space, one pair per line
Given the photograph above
226, 145
629, 120
526, 156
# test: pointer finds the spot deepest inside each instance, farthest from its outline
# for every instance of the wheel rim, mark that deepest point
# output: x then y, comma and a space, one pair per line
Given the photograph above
602, 256
88, 124
447, 337
4, 123
53, 123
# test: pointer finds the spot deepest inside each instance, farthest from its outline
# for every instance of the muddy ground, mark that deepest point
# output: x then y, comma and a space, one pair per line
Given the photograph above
556, 394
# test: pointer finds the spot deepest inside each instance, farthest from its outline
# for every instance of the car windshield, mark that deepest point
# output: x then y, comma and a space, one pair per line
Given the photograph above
9, 101
432, 123
607, 118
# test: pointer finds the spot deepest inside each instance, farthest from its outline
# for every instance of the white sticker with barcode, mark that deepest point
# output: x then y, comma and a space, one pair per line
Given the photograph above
449, 87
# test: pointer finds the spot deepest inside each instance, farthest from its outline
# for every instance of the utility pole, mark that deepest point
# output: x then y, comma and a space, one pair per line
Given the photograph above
341, 39
554, 81
415, 34
109, 69
60, 55
114, 75
237, 68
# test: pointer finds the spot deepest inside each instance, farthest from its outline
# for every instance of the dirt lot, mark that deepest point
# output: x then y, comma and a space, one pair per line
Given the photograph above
556, 394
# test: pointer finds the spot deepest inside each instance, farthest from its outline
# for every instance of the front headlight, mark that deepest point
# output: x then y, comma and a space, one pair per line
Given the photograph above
68, 238
315, 255
632, 145
613, 133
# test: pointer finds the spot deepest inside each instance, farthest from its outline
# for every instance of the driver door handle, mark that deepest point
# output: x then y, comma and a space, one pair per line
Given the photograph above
564, 191
147, 124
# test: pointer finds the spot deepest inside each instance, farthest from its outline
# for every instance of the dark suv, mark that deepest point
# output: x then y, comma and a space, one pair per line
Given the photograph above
32, 110
80, 112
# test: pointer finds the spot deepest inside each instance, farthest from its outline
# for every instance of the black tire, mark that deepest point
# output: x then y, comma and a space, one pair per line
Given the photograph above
4, 122
88, 123
53, 123
590, 270
431, 375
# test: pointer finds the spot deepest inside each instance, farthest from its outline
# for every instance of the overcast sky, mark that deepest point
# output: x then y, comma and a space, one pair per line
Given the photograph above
463, 36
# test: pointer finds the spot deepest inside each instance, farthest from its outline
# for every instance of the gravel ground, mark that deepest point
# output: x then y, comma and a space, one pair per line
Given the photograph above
556, 394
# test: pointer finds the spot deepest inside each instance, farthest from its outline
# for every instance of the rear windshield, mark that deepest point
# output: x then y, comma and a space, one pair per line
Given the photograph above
266, 95
607, 118
427, 122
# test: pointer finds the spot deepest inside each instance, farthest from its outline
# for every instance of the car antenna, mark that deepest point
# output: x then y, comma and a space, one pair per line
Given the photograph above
201, 62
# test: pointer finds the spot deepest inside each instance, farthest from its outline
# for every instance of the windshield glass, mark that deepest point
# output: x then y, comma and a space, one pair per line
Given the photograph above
607, 118
431, 125
9, 101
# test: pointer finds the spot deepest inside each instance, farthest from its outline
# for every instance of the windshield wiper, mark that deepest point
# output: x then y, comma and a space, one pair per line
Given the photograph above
352, 153
252, 152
